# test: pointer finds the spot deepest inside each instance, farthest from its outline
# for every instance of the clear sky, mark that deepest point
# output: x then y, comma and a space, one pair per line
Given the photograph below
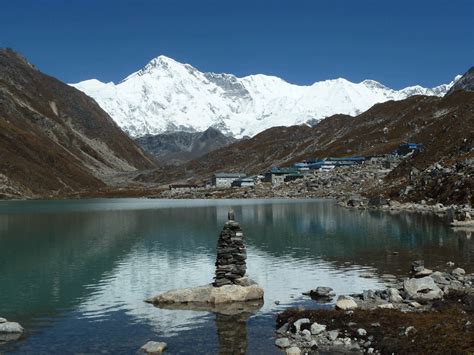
399, 42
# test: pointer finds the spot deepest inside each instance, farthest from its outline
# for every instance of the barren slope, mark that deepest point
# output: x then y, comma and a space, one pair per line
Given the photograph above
53, 138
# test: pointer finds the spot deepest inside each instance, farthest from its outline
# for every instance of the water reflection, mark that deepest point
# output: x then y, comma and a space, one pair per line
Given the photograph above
230, 319
72, 267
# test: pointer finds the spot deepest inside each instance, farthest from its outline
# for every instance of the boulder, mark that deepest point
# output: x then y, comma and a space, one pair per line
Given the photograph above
10, 327
10, 331
442, 278
346, 303
153, 347
210, 294
424, 289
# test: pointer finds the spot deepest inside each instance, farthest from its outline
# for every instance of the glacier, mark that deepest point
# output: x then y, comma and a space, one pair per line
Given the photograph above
167, 96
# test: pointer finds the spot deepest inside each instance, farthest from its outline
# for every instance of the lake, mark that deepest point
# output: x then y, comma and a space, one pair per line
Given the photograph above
76, 273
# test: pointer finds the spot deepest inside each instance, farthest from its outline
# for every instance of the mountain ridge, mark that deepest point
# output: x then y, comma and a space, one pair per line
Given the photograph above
166, 95
54, 139
172, 148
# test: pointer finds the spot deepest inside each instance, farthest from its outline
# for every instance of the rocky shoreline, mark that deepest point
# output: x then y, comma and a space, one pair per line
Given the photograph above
404, 317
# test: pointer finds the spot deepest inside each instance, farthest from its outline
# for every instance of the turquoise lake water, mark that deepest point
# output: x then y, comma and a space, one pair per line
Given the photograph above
75, 273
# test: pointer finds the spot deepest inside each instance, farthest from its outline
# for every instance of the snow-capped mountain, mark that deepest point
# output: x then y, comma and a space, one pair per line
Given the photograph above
170, 96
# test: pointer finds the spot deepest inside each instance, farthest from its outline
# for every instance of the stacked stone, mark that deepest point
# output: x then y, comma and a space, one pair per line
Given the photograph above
231, 254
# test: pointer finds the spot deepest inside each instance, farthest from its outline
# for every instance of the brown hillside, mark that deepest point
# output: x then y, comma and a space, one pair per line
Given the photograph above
54, 138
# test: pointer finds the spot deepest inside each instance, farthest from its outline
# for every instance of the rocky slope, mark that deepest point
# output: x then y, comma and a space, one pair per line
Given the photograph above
179, 147
169, 96
465, 83
53, 138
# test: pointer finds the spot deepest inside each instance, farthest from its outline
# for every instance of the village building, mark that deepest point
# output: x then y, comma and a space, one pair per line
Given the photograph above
328, 163
406, 148
278, 176
226, 179
245, 182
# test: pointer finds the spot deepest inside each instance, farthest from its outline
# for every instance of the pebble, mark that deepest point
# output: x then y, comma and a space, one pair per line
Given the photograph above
317, 328
333, 334
282, 343
306, 335
423, 273
294, 350
386, 306
394, 295
361, 332
458, 272
283, 329
410, 330
300, 322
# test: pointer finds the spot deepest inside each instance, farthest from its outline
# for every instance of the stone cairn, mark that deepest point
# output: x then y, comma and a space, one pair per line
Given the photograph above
231, 254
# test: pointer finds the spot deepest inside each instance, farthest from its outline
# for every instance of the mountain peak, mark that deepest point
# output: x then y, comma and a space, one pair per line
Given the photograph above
163, 60
160, 63
373, 84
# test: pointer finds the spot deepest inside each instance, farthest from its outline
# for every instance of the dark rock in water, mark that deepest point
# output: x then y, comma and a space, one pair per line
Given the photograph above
231, 254
321, 293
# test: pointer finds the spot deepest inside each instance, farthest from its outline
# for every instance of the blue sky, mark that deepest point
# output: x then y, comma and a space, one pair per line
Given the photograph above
398, 43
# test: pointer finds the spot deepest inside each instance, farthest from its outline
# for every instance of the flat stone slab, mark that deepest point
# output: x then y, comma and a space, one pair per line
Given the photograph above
209, 294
